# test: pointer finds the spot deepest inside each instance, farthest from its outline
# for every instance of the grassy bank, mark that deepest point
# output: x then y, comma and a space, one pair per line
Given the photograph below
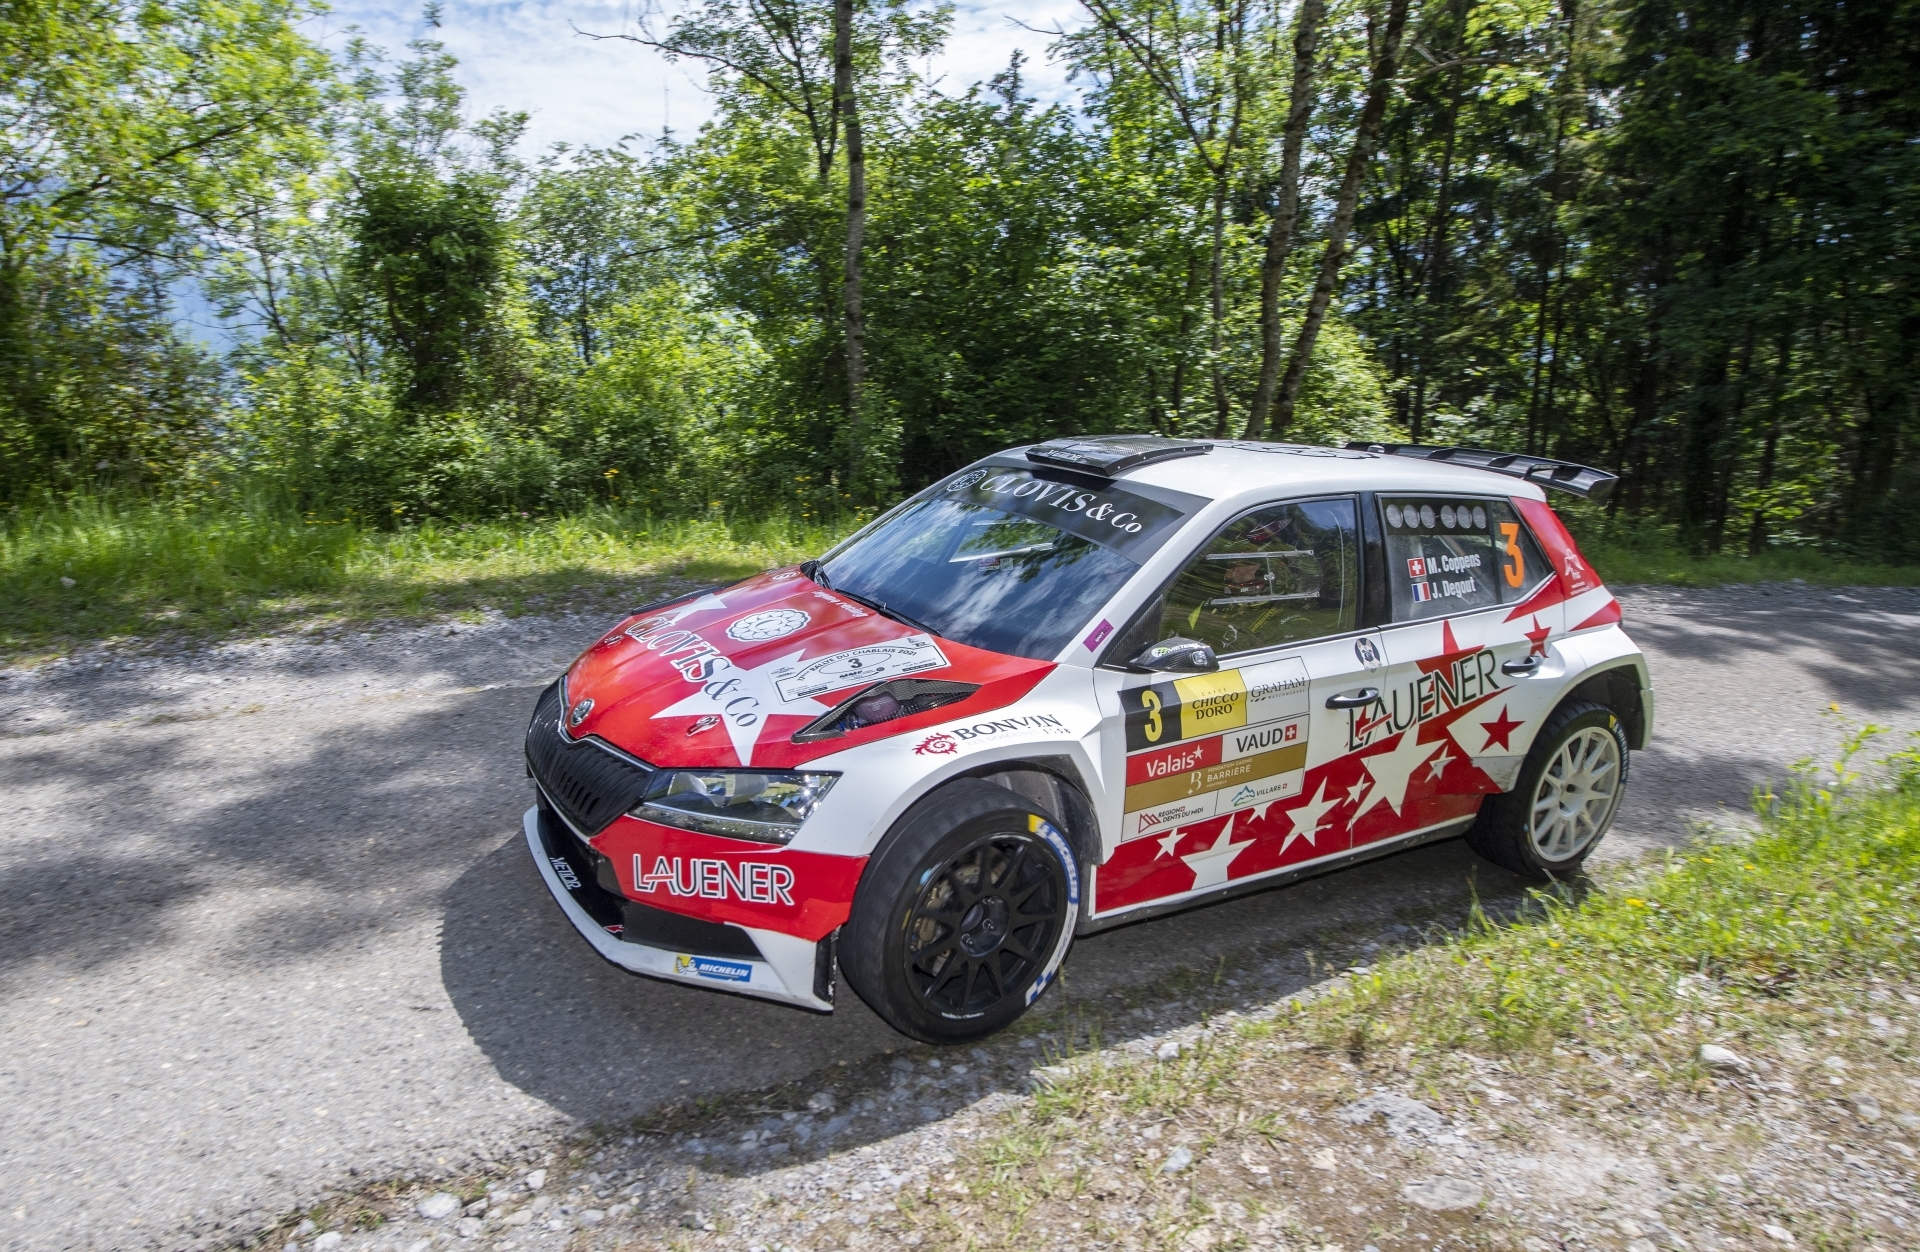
1572, 1033
1626, 552
103, 569
100, 569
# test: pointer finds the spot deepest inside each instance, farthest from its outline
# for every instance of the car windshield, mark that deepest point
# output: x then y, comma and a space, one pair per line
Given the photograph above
980, 576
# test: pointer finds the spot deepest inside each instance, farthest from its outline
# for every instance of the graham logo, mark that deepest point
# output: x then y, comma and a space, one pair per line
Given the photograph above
936, 745
705, 723
772, 624
966, 480
756, 882
580, 712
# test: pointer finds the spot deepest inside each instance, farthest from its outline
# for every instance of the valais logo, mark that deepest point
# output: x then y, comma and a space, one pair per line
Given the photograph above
939, 744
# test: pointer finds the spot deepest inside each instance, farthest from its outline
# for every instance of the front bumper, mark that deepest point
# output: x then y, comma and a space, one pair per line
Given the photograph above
788, 969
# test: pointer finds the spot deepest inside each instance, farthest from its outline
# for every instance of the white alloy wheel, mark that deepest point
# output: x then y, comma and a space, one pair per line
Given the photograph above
1576, 796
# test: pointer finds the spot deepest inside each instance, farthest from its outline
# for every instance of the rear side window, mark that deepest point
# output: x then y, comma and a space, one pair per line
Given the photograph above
1454, 554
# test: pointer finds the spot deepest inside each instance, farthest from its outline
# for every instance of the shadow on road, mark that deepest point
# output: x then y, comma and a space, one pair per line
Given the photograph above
605, 1046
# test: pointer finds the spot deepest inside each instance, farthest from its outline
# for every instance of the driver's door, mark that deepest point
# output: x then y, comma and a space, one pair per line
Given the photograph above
1220, 785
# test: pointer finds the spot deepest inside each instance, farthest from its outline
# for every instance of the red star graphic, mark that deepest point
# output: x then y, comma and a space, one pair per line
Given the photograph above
1450, 651
1500, 729
1537, 637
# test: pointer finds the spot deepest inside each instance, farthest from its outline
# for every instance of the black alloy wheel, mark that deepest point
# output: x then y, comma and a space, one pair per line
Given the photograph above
985, 922
963, 915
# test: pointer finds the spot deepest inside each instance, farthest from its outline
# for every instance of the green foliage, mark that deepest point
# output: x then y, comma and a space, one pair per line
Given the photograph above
1677, 242
95, 567
1828, 890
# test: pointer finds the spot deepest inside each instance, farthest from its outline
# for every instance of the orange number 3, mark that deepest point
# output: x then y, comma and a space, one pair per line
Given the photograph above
1515, 567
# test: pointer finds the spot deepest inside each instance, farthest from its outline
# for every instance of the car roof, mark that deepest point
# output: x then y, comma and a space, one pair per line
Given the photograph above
1238, 467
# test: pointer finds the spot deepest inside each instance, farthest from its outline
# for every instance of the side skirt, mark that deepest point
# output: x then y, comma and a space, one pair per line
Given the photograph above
1279, 878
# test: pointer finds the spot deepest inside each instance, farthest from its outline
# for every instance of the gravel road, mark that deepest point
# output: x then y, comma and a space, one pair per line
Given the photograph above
266, 924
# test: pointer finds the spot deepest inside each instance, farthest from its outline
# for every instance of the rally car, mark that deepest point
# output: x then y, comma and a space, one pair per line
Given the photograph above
1076, 685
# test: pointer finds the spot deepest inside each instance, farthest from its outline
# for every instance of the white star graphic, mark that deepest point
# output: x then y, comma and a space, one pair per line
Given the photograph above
700, 604
1210, 865
1391, 771
1305, 820
1358, 791
744, 700
1438, 765
1167, 843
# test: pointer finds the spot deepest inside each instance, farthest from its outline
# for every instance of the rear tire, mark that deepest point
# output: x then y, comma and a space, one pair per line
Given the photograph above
962, 919
1570, 787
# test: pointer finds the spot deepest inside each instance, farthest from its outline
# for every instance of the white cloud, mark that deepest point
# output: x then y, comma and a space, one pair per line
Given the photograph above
526, 55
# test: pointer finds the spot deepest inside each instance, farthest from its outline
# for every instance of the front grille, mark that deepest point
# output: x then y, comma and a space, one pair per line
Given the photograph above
587, 781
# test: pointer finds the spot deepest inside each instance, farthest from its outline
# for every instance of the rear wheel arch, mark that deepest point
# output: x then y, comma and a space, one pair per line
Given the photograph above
1618, 689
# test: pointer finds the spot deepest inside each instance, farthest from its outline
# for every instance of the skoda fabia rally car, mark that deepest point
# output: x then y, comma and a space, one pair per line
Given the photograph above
1072, 686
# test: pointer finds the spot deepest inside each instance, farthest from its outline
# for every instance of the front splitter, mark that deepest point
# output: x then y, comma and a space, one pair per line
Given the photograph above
785, 976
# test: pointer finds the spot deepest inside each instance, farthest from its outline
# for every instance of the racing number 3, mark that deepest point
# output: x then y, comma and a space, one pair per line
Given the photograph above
1515, 566
1150, 700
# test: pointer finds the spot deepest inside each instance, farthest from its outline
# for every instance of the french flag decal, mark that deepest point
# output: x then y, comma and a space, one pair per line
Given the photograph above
1422, 592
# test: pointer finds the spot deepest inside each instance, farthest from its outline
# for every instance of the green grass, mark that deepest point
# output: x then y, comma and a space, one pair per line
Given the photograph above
1627, 553
104, 569
1827, 893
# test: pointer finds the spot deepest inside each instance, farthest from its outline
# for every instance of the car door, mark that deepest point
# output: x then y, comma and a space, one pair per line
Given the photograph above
1469, 670
1219, 768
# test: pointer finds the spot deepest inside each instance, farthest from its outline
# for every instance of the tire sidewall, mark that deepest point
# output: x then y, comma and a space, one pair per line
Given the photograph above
875, 944
1570, 722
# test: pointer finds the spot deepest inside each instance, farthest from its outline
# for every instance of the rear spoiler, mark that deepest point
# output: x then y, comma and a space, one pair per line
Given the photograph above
1581, 480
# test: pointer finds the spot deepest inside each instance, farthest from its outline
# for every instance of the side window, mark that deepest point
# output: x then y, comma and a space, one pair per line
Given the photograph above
1453, 554
1277, 575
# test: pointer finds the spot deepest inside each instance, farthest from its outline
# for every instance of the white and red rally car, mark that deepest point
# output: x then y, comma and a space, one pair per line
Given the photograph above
1072, 686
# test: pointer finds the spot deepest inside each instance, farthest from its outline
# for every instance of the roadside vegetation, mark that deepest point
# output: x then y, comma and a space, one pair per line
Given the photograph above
101, 568
1566, 1043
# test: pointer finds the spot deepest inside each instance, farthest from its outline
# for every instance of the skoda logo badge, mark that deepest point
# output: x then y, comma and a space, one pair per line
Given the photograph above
580, 712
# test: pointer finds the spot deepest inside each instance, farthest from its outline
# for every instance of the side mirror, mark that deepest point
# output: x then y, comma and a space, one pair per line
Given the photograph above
1177, 656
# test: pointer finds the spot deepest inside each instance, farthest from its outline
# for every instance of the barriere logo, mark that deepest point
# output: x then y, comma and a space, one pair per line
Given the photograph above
755, 882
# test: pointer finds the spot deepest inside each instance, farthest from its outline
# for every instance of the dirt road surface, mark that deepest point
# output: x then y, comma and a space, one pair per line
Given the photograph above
267, 925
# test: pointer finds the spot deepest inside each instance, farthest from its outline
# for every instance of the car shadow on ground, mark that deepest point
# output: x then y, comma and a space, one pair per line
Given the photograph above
611, 1049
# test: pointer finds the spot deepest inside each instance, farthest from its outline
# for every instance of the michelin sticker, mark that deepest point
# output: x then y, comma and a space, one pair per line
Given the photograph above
872, 663
712, 967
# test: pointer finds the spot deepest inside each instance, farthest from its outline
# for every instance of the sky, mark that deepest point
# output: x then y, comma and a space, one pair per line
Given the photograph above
525, 54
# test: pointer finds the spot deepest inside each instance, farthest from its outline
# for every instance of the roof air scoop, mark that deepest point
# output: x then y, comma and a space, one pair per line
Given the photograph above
1112, 455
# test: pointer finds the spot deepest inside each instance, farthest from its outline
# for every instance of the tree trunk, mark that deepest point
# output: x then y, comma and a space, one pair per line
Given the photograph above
1379, 87
854, 313
1286, 214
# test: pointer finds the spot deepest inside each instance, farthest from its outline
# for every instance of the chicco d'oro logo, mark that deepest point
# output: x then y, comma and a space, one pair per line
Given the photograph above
580, 712
966, 480
936, 745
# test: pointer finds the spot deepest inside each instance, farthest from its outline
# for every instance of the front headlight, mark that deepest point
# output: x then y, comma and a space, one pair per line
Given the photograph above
767, 807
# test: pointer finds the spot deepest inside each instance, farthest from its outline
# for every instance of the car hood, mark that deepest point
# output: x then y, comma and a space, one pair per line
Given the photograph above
726, 677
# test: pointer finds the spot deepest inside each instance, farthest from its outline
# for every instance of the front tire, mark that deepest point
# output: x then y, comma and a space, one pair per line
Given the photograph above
1569, 789
963, 918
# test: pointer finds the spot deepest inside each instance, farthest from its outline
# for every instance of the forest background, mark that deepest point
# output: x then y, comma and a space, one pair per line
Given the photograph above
1672, 238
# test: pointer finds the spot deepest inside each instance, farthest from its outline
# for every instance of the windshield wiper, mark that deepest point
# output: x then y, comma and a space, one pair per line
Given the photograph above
816, 571
880, 606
